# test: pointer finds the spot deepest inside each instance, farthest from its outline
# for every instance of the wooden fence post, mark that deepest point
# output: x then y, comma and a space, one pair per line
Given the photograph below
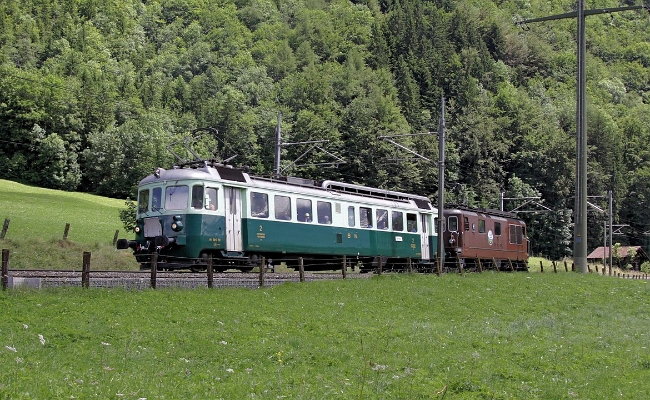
495, 264
409, 263
85, 270
117, 233
5, 269
554, 267
512, 269
541, 266
460, 266
210, 272
154, 269
566, 267
4, 229
301, 269
345, 267
379, 266
66, 230
480, 266
438, 266
262, 265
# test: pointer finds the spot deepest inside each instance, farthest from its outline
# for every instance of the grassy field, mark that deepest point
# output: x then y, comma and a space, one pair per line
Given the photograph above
37, 223
478, 336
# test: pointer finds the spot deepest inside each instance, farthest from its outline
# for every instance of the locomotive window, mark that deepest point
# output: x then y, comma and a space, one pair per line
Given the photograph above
466, 223
382, 219
516, 234
156, 200
481, 226
411, 222
398, 221
324, 209
351, 220
259, 205
176, 197
210, 199
197, 197
303, 207
453, 223
282, 208
143, 201
497, 228
365, 217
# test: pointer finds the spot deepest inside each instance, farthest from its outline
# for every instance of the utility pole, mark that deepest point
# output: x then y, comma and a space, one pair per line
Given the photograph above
278, 146
580, 209
441, 183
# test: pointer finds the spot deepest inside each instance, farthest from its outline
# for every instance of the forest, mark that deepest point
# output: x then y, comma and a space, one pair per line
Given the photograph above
94, 95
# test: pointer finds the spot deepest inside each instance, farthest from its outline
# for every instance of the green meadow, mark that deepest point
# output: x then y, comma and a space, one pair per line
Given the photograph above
477, 336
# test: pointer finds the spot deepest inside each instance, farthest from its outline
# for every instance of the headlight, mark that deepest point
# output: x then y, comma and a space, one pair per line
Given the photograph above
137, 229
177, 225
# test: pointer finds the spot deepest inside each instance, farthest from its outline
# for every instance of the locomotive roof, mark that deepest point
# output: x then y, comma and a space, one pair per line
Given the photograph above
486, 211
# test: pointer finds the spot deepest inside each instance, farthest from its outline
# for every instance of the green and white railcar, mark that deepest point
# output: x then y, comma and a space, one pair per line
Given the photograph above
185, 215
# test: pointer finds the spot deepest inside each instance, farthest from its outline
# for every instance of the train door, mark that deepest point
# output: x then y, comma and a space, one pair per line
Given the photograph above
233, 218
424, 237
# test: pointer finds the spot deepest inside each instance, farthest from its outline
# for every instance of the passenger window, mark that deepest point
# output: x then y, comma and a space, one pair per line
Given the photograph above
382, 219
197, 197
156, 201
324, 212
411, 222
210, 199
497, 228
453, 224
282, 208
143, 201
481, 226
176, 197
398, 221
365, 217
259, 205
303, 208
351, 219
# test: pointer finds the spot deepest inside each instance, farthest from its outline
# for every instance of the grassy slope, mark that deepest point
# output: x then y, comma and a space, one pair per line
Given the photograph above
479, 336
38, 218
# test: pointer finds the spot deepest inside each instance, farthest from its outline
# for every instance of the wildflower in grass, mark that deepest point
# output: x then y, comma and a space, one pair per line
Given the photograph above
25, 326
230, 370
41, 339
106, 344
279, 355
19, 360
223, 342
11, 348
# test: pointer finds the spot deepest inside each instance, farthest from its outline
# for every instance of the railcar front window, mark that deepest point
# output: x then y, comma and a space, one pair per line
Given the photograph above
143, 201
282, 208
176, 197
156, 201
398, 221
197, 197
411, 222
210, 199
365, 217
453, 224
259, 205
324, 209
303, 208
481, 226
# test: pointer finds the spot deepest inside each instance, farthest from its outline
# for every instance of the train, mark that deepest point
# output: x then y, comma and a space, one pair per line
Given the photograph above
204, 210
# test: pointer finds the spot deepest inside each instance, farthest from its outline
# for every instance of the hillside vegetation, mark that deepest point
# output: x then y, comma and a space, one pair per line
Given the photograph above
92, 94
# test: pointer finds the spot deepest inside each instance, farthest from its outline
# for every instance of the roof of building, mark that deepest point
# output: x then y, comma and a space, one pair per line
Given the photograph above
623, 252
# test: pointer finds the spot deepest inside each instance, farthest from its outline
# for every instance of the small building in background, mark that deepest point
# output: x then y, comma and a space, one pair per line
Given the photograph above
625, 254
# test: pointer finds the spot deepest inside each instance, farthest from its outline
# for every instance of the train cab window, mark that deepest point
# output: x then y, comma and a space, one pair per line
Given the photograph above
177, 197
516, 234
466, 223
197, 197
411, 222
497, 228
282, 208
365, 217
259, 205
324, 209
453, 223
211, 199
397, 219
303, 209
481, 226
351, 219
435, 224
143, 201
156, 199
382, 218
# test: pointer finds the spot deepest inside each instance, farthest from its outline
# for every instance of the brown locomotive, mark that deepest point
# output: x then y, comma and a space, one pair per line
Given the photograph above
485, 239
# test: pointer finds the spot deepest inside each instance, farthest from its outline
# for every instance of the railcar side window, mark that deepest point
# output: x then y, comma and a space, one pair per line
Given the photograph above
411, 222
516, 234
197, 197
324, 212
365, 217
143, 201
382, 219
282, 208
156, 201
466, 223
497, 228
303, 208
177, 197
481, 226
259, 205
398, 221
435, 224
210, 199
453, 223
351, 219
